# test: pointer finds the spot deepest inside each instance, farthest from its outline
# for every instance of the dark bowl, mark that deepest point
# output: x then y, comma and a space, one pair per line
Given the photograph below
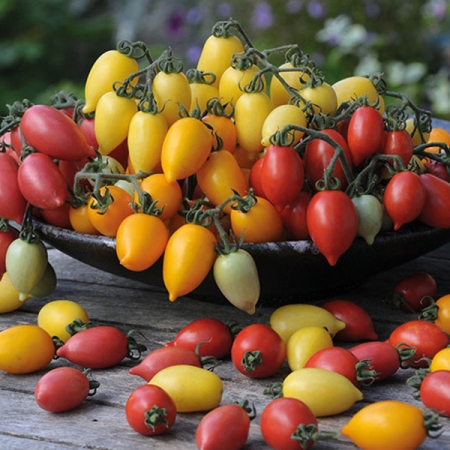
289, 271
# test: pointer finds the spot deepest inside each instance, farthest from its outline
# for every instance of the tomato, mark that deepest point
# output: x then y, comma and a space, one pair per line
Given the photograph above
214, 336
398, 142
7, 236
325, 392
79, 220
193, 389
99, 347
112, 120
441, 360
107, 219
9, 295
404, 198
322, 98
304, 343
51, 132
363, 143
358, 323
224, 128
426, 337
41, 183
47, 283
26, 263
12, 201
350, 88
255, 180
219, 176
150, 410
442, 319
251, 111
330, 214
188, 258
55, 316
437, 134
436, 211
140, 241
163, 357
202, 90
318, 155
282, 175
437, 169
16, 141
387, 424
233, 418
62, 389
171, 91
370, 216
146, 135
411, 292
288, 424
293, 217
383, 357
261, 223
109, 68
236, 275
185, 149
217, 52
25, 349
287, 319
413, 130
278, 118
435, 391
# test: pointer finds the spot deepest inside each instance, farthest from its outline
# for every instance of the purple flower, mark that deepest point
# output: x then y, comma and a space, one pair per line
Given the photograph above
175, 23
316, 9
262, 15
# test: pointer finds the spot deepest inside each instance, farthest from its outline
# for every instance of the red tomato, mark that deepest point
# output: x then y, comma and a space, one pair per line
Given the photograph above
426, 337
58, 217
6, 237
332, 223
255, 177
12, 201
87, 127
365, 133
150, 410
319, 153
435, 391
404, 198
70, 168
62, 389
384, 358
398, 142
293, 217
41, 182
164, 357
288, 424
51, 132
16, 140
224, 428
282, 175
97, 348
437, 169
358, 323
343, 362
436, 211
258, 351
215, 336
413, 292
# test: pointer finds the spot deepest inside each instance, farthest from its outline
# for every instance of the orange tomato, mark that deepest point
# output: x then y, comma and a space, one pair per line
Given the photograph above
438, 135
79, 220
224, 128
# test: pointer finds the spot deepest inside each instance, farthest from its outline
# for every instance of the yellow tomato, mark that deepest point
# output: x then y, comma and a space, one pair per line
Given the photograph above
250, 113
412, 129
110, 67
171, 90
189, 256
25, 349
140, 241
9, 295
223, 128
441, 360
287, 319
216, 54
112, 120
56, 315
350, 88
146, 135
201, 93
386, 425
193, 389
304, 343
322, 98
278, 118
325, 392
185, 148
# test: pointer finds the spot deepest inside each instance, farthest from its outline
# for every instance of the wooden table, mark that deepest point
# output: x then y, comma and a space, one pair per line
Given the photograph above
99, 423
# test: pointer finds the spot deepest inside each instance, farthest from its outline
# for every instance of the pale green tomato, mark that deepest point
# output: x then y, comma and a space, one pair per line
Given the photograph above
370, 216
47, 284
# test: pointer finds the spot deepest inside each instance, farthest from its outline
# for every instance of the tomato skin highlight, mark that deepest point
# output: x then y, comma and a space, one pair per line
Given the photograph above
61, 389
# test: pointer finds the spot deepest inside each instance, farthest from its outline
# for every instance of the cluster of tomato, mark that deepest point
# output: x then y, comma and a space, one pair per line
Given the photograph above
186, 165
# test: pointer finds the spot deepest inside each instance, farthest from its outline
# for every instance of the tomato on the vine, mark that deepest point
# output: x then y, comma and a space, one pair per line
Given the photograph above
436, 210
413, 292
400, 143
293, 217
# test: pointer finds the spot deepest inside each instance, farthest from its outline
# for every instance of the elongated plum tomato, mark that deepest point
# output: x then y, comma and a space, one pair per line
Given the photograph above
435, 391
9, 295
62, 389
25, 349
7, 236
370, 216
436, 211
51, 132
387, 424
231, 417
